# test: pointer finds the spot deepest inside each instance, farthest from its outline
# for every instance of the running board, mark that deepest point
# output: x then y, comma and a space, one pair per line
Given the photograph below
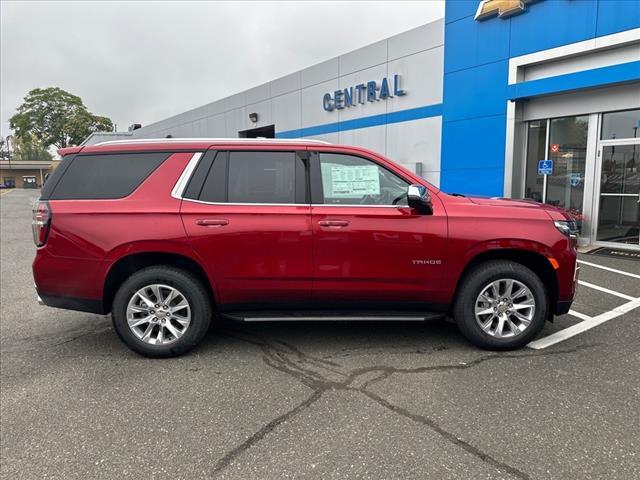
317, 317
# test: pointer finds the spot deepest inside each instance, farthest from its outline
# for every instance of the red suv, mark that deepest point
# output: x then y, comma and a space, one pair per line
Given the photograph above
166, 233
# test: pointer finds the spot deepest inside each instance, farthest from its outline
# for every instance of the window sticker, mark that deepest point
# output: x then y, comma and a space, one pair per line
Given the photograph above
350, 181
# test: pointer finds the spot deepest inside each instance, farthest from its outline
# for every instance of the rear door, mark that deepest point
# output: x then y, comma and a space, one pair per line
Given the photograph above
370, 248
247, 214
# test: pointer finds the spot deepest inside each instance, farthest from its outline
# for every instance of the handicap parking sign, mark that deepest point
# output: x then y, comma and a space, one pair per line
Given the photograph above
545, 167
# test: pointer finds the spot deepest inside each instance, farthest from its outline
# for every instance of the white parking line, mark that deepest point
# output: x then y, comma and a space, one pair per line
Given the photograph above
583, 326
579, 315
606, 290
609, 269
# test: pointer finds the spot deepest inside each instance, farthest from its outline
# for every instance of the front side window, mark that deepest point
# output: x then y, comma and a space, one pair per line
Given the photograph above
351, 180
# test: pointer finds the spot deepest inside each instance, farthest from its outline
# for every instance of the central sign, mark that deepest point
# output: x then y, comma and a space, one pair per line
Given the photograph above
361, 93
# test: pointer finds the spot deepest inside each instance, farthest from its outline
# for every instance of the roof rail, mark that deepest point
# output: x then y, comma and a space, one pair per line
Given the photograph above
212, 140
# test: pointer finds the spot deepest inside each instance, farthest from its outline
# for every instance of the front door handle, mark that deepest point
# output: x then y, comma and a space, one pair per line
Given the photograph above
333, 223
212, 222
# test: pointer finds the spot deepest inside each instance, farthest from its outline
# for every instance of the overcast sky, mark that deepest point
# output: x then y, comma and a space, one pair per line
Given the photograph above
144, 61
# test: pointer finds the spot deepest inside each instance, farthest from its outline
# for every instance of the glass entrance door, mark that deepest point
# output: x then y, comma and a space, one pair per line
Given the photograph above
619, 197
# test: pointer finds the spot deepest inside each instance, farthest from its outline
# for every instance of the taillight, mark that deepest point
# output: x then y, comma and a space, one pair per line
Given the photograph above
41, 222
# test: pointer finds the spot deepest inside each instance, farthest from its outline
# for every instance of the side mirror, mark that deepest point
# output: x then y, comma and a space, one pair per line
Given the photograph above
419, 198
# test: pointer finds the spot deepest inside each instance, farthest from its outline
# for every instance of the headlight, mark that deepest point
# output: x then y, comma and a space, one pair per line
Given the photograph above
567, 227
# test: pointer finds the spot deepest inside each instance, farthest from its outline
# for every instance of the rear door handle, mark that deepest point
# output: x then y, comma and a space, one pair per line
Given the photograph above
212, 222
333, 223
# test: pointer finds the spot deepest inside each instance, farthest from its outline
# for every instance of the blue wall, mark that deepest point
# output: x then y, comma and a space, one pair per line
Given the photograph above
476, 58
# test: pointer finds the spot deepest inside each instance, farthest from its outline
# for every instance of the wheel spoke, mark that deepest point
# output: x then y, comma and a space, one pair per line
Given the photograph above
512, 326
508, 288
485, 311
522, 306
500, 326
525, 320
157, 293
147, 333
145, 298
172, 294
139, 309
139, 321
174, 331
182, 305
160, 336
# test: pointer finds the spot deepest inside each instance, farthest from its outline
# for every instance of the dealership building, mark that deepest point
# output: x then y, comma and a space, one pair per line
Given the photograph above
515, 98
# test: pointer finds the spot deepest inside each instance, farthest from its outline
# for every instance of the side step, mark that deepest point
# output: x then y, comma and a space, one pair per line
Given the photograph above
332, 316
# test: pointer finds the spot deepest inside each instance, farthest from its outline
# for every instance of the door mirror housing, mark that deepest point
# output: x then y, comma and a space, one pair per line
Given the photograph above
419, 198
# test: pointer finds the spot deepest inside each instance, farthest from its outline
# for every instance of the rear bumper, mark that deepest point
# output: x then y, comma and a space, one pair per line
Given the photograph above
72, 303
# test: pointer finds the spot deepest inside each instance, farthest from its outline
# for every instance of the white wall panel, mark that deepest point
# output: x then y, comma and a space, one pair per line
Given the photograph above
286, 84
216, 126
319, 73
286, 112
258, 94
422, 38
235, 122
364, 57
421, 75
371, 137
327, 137
415, 141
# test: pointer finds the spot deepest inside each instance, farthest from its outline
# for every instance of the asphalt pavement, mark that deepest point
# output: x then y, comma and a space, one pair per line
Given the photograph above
316, 400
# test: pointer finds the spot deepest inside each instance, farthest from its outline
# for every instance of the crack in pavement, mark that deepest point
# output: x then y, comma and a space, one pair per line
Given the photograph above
275, 355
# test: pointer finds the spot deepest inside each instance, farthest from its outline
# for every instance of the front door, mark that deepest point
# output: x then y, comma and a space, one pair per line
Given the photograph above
618, 209
370, 249
247, 215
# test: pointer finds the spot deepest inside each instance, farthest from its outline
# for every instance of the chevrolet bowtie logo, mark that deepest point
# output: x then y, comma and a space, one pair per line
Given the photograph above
500, 8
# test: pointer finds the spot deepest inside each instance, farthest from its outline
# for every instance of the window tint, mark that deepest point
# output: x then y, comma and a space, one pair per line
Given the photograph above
214, 187
105, 176
350, 180
54, 178
261, 177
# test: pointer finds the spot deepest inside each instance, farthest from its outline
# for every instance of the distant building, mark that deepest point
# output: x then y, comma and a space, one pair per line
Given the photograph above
25, 173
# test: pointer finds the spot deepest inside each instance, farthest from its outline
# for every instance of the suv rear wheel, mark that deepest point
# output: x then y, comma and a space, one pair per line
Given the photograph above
161, 311
501, 305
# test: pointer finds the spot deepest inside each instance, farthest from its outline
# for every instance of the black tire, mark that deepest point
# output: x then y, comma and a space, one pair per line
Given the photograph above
471, 287
188, 285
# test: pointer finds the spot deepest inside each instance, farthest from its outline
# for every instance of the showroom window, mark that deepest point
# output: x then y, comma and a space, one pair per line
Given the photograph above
619, 125
564, 142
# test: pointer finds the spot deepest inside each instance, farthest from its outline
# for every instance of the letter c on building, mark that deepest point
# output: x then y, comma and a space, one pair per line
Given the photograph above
327, 102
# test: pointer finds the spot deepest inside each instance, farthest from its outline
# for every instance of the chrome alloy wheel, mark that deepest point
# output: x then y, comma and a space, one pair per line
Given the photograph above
158, 314
505, 308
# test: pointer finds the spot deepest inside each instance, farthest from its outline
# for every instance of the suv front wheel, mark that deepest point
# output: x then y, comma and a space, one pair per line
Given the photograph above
501, 305
161, 312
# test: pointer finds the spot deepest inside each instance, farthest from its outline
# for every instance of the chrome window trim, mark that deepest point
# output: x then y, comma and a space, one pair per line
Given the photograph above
181, 184
289, 204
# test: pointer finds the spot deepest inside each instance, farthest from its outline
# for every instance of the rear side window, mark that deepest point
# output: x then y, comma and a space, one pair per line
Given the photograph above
261, 177
264, 177
105, 176
51, 182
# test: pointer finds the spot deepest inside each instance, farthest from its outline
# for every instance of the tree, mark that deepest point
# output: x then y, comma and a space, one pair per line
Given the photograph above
30, 149
4, 150
55, 117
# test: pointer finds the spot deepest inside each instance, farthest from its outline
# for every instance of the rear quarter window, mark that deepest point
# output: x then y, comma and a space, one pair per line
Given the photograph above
103, 176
